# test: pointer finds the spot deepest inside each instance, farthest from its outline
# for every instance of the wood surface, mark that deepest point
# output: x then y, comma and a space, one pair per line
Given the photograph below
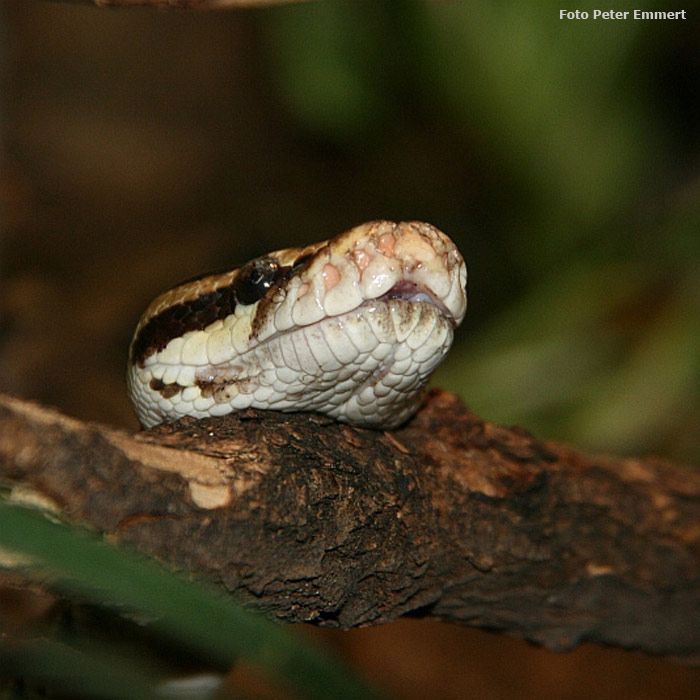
448, 517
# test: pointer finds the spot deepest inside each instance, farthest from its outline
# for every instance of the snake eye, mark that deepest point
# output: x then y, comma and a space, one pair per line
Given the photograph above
255, 279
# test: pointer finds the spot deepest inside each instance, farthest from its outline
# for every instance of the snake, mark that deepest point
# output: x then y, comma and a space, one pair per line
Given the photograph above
351, 327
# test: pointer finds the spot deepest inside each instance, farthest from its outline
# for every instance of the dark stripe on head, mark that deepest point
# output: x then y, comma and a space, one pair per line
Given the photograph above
179, 319
253, 282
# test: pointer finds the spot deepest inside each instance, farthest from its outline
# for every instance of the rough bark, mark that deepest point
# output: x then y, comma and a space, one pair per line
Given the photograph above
448, 517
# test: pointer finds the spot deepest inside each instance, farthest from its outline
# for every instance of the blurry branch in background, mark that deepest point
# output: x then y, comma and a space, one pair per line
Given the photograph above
182, 4
449, 517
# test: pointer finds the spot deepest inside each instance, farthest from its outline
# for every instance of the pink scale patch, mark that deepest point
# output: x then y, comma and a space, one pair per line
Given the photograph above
362, 258
386, 243
330, 275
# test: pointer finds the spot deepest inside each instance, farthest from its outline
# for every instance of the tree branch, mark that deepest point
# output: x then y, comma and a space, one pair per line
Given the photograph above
182, 4
448, 517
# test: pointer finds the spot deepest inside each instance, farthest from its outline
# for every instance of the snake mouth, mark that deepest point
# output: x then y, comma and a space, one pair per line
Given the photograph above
410, 291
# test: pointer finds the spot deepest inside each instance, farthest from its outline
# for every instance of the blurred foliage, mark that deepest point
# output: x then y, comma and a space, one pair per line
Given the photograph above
205, 624
561, 155
586, 142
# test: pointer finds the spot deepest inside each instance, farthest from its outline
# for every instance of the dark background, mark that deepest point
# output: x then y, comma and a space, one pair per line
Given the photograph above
141, 148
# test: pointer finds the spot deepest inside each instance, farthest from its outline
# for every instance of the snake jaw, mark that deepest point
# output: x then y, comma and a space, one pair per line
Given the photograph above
412, 292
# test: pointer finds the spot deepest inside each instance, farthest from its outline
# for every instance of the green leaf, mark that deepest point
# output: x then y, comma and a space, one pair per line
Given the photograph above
189, 614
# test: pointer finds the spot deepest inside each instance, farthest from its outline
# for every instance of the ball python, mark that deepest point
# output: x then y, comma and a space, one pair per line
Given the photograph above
351, 327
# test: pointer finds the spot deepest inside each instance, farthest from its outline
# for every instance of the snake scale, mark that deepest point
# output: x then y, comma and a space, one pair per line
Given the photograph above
351, 327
